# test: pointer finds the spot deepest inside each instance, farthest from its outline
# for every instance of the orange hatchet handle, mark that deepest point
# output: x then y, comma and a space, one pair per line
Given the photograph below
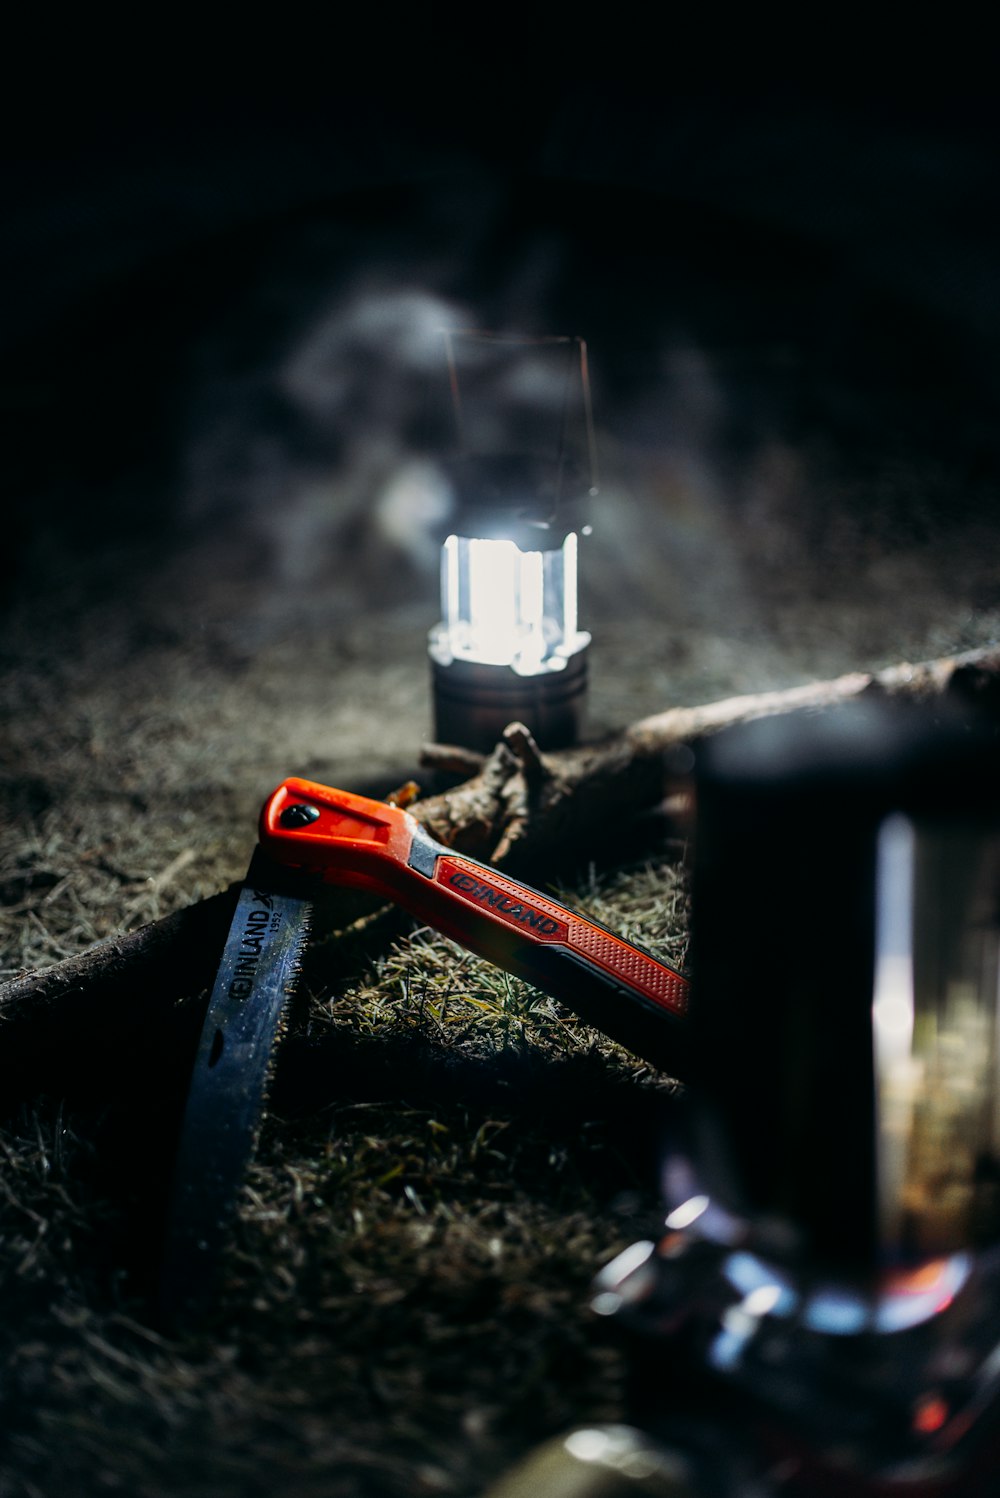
352, 840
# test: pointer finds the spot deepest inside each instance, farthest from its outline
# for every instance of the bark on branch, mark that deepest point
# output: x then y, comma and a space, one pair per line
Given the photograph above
519, 810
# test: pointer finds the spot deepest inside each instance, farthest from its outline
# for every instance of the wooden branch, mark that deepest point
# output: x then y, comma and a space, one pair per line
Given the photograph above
55, 1023
520, 809
516, 811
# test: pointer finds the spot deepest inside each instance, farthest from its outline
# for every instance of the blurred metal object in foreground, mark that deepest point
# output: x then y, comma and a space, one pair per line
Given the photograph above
599, 1461
509, 647
827, 1288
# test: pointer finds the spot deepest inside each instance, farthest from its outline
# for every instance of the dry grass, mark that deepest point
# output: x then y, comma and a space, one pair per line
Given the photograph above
446, 1162
448, 1156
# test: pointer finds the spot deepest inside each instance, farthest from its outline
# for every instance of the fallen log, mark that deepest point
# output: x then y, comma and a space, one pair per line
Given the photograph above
521, 805
517, 810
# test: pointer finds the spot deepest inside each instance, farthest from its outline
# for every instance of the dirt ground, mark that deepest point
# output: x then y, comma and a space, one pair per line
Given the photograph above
220, 570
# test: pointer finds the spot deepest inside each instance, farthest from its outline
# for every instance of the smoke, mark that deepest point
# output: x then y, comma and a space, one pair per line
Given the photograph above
321, 447
332, 450
739, 512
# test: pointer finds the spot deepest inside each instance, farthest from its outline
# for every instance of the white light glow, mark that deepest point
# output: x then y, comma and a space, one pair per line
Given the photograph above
531, 597
687, 1212
762, 1301
569, 585
892, 1008
896, 1076
492, 601
507, 607
587, 1445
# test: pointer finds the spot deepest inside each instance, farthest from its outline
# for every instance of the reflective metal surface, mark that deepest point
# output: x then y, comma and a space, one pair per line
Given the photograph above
829, 1269
935, 1037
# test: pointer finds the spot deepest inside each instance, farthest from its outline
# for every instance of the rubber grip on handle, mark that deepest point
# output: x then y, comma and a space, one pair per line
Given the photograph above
351, 840
544, 920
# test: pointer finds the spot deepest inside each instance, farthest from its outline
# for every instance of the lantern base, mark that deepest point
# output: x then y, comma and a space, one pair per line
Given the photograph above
474, 702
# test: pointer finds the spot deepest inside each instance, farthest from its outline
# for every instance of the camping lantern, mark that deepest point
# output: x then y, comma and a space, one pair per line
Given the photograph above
509, 646
831, 1258
851, 1082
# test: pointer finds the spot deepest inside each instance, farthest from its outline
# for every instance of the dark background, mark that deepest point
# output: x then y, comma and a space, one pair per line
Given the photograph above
758, 249
225, 262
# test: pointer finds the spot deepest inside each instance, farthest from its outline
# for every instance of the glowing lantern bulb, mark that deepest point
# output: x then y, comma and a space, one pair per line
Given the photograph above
509, 647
